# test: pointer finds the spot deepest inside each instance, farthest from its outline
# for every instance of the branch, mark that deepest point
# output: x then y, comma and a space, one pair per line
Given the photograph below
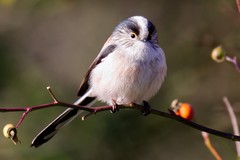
233, 121
210, 147
238, 5
234, 61
94, 110
196, 125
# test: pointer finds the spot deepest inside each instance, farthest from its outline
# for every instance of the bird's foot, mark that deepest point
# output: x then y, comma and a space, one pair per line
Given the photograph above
115, 107
146, 108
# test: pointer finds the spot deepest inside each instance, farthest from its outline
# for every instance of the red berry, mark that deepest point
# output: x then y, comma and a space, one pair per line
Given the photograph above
185, 111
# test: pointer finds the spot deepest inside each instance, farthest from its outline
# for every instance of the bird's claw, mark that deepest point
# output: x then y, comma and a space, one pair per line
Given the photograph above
115, 107
146, 108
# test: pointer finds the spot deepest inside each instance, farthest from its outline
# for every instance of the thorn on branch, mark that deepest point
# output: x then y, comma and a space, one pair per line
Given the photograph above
51, 93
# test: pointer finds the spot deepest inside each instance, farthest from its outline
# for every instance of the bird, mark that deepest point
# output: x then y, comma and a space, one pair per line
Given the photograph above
130, 68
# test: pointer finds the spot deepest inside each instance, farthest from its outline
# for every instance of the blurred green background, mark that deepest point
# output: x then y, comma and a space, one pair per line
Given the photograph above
52, 42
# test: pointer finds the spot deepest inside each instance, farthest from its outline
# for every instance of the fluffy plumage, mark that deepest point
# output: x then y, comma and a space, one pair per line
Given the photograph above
131, 67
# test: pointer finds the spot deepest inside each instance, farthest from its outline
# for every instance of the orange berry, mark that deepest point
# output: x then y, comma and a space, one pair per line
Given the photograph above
185, 111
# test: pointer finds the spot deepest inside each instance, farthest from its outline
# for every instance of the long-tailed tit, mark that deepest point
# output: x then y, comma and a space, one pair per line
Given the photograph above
130, 68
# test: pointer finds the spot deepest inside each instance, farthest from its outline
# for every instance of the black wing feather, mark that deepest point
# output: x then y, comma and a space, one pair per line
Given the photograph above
47, 133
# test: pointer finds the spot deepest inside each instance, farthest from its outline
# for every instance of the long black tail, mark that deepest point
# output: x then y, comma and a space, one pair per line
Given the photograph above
63, 119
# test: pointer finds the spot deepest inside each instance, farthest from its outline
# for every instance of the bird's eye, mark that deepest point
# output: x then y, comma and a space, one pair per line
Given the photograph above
133, 35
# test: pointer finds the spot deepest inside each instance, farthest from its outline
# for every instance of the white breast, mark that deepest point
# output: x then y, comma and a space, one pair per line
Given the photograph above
127, 77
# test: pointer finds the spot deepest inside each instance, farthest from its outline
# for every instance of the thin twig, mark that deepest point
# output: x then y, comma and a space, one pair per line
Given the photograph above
51, 93
23, 116
233, 121
238, 5
209, 145
234, 61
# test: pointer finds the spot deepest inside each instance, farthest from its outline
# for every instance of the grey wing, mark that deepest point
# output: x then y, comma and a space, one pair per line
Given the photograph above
84, 86
68, 115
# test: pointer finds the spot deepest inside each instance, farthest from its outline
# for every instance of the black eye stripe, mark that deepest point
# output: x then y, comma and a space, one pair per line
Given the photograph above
132, 26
